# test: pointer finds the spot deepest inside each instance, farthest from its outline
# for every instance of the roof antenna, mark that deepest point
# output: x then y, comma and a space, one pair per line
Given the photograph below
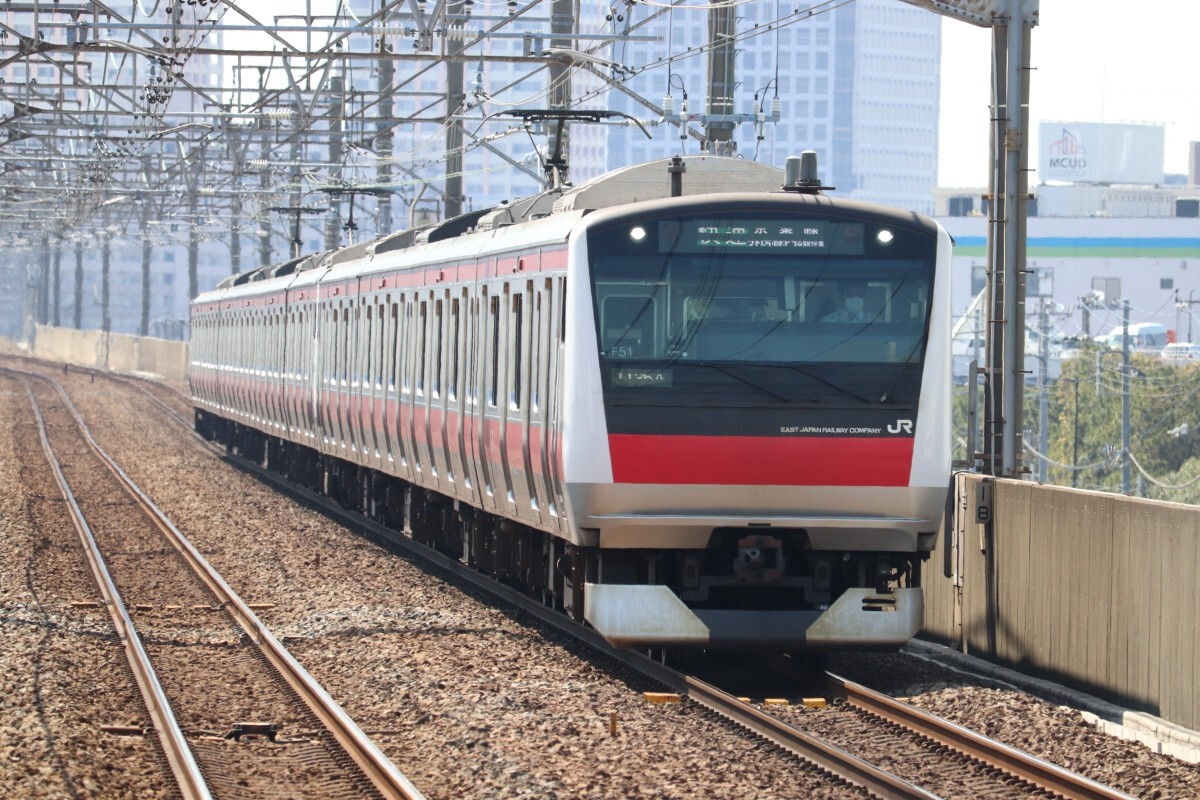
676, 169
800, 174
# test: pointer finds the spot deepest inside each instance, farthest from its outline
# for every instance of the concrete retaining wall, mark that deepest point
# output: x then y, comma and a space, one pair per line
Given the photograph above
1092, 590
115, 352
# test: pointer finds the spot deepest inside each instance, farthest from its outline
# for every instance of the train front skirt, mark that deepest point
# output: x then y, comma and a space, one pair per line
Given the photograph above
632, 615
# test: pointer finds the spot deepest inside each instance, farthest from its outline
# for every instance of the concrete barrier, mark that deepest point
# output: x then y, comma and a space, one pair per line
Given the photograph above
116, 352
1092, 590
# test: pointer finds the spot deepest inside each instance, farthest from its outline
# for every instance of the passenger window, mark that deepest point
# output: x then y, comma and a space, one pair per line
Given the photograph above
518, 340
423, 333
494, 311
437, 350
455, 319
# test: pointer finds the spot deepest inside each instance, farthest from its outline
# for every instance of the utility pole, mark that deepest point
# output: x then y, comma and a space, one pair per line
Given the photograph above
1043, 390
105, 271
454, 102
333, 232
562, 21
43, 283
194, 242
1011, 22
383, 146
55, 290
296, 181
1181, 304
719, 125
264, 184
1125, 421
144, 328
235, 203
78, 319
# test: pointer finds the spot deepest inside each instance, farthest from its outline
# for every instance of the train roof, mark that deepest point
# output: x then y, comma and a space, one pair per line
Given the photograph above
556, 211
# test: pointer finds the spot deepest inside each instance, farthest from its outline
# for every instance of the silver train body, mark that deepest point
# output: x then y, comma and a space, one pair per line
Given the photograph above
643, 407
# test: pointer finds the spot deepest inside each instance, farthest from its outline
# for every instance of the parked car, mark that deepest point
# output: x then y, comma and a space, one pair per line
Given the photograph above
1181, 353
1143, 337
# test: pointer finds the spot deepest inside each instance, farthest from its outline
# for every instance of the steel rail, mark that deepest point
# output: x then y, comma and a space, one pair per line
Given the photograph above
180, 758
829, 758
377, 767
832, 760
1030, 769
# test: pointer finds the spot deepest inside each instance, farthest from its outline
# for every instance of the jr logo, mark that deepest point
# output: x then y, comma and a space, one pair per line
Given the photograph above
901, 426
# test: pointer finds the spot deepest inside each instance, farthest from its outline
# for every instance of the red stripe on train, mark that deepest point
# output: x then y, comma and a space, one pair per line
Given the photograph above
760, 460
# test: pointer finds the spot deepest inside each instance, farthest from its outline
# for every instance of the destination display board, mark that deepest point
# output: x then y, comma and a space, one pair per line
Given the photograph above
816, 237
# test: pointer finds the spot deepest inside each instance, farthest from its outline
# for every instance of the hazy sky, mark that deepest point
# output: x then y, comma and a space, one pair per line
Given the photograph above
1094, 61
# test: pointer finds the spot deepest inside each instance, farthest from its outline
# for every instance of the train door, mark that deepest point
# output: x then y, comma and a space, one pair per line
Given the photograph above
420, 432
244, 359
355, 390
520, 479
369, 348
292, 350
487, 433
537, 462
438, 396
304, 338
556, 348
473, 359
455, 405
255, 339
345, 331
285, 378
221, 376
337, 364
270, 366
273, 369
328, 342
392, 392
236, 359
375, 360
507, 401
408, 432
310, 372
263, 346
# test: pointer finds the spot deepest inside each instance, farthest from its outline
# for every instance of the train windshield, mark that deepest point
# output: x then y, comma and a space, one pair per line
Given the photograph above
763, 307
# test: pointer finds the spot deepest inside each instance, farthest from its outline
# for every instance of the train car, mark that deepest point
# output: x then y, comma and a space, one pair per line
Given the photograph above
695, 403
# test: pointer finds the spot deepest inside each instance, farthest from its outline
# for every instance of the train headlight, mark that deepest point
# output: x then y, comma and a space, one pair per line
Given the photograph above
637, 233
885, 236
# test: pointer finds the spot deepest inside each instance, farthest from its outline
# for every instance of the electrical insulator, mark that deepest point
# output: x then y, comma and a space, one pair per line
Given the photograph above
668, 107
464, 32
379, 29
777, 108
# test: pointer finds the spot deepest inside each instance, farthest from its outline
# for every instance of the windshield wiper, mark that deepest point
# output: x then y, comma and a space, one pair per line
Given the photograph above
830, 384
743, 379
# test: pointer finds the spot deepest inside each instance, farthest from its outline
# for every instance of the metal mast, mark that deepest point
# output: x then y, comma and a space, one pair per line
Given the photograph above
719, 124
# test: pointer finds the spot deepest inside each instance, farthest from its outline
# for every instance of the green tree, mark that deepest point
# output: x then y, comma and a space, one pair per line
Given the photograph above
1163, 398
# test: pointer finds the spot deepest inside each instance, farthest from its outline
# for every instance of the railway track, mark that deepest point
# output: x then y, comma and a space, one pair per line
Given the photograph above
944, 751
946, 755
994, 770
202, 679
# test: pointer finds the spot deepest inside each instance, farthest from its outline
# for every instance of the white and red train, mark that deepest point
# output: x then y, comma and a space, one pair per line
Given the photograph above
645, 401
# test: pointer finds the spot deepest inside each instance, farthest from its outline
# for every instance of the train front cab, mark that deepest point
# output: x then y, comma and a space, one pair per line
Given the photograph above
767, 474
